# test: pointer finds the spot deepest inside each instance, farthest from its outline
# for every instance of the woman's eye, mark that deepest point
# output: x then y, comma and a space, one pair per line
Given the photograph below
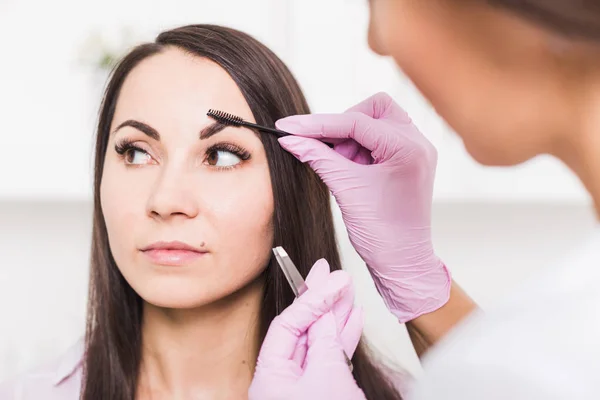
137, 157
222, 158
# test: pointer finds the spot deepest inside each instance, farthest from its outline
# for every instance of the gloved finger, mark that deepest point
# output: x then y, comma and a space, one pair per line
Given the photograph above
364, 157
299, 355
354, 152
324, 346
379, 106
352, 331
348, 318
318, 274
348, 148
322, 159
285, 330
343, 308
350, 125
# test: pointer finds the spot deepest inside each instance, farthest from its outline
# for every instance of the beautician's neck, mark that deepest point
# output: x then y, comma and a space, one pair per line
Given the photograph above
207, 353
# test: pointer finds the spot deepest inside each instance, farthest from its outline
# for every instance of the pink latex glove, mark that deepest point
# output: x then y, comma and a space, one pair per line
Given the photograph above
350, 329
323, 373
381, 173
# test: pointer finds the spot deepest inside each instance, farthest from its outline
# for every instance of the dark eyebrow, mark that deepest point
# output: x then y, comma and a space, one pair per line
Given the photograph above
205, 133
211, 130
140, 126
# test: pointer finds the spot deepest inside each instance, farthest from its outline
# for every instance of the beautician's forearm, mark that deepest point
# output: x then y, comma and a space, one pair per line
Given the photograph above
428, 329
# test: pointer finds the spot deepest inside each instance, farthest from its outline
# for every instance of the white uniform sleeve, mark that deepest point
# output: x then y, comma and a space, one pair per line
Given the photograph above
541, 343
473, 382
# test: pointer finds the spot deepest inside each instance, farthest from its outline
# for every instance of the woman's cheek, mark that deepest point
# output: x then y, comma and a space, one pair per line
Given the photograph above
242, 201
123, 201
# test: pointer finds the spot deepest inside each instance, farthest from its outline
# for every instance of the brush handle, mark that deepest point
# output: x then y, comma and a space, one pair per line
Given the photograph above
262, 128
275, 132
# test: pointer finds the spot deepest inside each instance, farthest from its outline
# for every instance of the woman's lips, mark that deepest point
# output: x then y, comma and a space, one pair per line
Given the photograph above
172, 253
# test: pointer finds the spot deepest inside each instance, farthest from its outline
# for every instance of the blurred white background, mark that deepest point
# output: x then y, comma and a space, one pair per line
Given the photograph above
493, 227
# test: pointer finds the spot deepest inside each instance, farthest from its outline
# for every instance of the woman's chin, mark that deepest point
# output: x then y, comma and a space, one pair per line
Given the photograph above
178, 302
180, 296
193, 288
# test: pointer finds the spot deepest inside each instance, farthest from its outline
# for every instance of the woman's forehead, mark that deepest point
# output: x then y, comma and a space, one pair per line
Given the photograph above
177, 83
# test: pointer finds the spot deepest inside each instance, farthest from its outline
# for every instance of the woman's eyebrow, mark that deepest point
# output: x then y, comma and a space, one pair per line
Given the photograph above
205, 133
140, 126
212, 130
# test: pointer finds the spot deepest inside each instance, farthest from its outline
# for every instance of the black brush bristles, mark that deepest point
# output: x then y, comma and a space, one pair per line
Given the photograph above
225, 118
233, 120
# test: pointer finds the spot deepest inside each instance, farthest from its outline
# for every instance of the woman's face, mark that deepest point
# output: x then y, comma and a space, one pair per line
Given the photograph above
167, 184
485, 71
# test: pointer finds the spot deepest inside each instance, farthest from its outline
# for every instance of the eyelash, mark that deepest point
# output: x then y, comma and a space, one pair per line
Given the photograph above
241, 153
127, 145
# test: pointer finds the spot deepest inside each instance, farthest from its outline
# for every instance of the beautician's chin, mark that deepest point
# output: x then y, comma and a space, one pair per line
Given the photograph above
498, 158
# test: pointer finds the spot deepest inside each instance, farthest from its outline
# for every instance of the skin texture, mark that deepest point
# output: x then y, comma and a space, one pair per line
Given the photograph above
196, 335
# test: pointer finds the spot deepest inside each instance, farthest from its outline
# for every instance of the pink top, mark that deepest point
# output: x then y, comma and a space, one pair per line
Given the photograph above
57, 380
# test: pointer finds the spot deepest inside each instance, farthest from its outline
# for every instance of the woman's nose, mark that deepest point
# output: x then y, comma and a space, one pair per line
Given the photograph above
173, 196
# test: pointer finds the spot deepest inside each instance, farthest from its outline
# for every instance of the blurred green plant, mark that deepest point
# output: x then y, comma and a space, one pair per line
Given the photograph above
102, 49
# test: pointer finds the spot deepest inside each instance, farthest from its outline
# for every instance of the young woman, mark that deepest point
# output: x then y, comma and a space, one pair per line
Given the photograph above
186, 212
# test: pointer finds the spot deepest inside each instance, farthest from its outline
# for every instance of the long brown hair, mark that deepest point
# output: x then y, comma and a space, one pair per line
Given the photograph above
302, 218
580, 18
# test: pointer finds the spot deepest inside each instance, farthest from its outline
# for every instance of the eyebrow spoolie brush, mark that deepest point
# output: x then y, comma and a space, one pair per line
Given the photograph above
234, 120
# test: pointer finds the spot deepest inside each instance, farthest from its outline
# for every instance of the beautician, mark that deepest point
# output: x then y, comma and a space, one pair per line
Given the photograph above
514, 79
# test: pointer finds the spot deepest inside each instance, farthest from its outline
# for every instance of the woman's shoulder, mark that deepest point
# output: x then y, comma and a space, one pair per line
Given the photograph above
59, 379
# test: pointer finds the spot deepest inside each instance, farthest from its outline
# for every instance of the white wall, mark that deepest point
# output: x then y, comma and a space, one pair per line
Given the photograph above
44, 248
43, 82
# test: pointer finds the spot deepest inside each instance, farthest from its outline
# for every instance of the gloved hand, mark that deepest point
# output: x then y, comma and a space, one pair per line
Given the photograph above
350, 329
323, 374
381, 173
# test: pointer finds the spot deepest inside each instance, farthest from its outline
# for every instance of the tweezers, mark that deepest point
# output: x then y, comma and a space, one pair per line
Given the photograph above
290, 271
296, 281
